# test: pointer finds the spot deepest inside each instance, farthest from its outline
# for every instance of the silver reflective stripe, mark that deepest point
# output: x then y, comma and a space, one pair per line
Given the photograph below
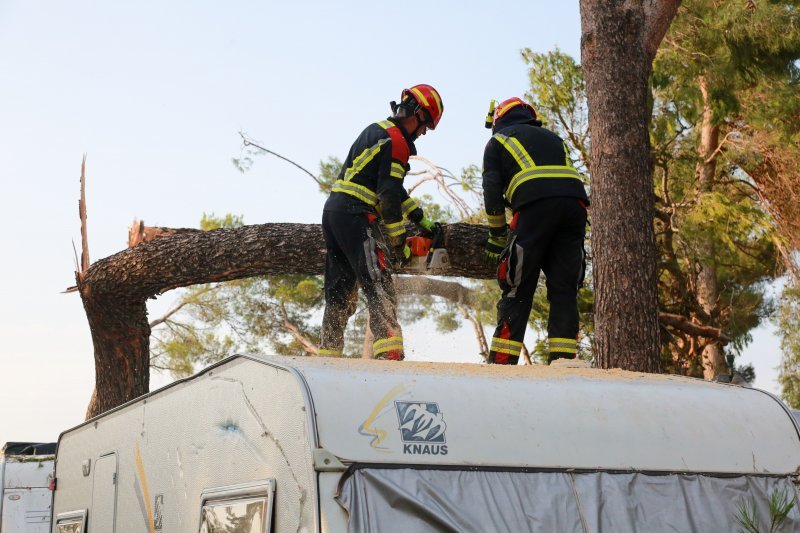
497, 221
397, 171
527, 174
371, 257
563, 345
520, 256
354, 189
408, 206
363, 159
521, 156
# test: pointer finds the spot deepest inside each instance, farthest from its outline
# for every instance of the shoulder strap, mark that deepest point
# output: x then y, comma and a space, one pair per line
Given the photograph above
399, 146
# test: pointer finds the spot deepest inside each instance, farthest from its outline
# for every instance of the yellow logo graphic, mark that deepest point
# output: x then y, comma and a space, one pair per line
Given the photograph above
366, 428
141, 484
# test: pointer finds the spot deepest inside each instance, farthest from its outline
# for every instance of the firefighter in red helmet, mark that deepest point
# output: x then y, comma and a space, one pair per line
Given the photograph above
527, 168
369, 191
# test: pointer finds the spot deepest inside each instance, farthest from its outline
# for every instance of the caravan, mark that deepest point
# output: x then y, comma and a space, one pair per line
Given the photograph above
26, 474
327, 445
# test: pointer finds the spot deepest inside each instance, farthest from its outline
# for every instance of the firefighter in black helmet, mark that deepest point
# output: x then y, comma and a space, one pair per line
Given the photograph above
527, 168
370, 189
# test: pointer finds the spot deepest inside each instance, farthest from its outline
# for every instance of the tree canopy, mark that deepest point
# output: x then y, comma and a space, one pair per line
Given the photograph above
728, 226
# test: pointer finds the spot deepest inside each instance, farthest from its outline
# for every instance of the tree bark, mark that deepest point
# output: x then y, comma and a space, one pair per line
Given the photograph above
618, 44
713, 356
114, 290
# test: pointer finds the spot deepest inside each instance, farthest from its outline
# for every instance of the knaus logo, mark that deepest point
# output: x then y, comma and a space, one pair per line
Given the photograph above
422, 428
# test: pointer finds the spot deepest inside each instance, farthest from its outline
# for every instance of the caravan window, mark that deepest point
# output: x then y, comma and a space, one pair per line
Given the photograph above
72, 522
238, 516
245, 508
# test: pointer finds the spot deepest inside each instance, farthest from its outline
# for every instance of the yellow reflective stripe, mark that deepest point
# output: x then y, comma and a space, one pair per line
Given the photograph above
408, 206
551, 171
387, 340
497, 221
420, 97
563, 345
397, 171
424, 101
396, 228
509, 351
521, 156
323, 351
354, 189
378, 351
363, 159
509, 342
562, 349
384, 345
506, 346
385, 124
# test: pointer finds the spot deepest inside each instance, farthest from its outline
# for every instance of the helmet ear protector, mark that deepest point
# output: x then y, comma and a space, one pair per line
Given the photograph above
410, 107
406, 108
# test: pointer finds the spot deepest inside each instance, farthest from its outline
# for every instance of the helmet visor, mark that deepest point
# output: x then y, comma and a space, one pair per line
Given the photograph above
425, 118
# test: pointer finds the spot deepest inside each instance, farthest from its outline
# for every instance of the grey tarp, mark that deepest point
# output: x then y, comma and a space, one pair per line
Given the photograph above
410, 500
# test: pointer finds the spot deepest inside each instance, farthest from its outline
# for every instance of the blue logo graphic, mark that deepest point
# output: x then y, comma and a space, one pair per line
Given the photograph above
420, 422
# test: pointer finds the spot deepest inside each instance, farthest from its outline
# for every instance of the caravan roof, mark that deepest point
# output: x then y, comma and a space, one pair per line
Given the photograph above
544, 417
369, 411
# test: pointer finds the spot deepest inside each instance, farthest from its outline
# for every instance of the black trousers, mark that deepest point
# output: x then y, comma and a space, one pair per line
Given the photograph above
357, 255
546, 235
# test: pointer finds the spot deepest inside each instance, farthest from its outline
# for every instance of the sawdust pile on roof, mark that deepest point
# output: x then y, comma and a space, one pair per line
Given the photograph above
541, 372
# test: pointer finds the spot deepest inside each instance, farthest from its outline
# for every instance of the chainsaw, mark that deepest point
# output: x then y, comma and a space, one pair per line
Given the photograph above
428, 254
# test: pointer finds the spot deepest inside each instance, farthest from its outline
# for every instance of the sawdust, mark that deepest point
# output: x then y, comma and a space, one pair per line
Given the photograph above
538, 372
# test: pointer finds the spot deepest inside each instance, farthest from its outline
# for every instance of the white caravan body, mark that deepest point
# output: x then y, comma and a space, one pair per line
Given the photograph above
291, 444
26, 470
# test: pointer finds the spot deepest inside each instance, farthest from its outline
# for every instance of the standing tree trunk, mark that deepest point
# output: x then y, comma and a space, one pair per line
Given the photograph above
707, 292
618, 44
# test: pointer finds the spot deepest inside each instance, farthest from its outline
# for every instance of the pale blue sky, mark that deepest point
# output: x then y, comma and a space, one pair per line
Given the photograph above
155, 93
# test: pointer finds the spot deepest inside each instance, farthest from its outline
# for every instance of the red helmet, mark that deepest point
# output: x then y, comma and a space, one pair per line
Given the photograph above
427, 98
507, 105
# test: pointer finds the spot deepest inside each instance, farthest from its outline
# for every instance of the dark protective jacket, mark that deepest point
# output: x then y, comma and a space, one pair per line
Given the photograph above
522, 163
371, 180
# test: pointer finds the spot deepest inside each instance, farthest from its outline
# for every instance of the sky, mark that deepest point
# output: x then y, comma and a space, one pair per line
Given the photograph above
156, 93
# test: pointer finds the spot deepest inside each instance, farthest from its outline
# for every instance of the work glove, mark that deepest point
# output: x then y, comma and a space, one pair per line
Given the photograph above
495, 244
426, 225
400, 250
402, 255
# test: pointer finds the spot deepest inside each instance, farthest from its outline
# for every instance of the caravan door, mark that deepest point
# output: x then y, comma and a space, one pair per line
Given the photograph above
104, 494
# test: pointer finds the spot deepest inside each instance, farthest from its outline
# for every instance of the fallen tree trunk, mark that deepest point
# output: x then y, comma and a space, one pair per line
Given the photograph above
115, 289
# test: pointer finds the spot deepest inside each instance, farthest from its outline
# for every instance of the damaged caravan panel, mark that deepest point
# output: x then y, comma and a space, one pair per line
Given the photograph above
320, 444
26, 471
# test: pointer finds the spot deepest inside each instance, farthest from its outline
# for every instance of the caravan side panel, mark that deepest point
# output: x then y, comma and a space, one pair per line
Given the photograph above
237, 423
25, 496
